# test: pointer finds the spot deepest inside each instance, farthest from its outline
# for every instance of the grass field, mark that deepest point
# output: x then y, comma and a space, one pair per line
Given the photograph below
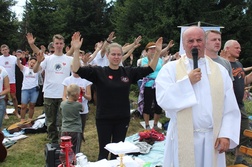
29, 152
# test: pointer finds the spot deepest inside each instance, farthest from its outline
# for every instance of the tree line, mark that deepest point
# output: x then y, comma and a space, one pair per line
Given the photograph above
95, 19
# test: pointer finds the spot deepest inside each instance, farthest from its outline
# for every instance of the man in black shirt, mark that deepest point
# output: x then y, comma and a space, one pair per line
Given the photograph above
232, 51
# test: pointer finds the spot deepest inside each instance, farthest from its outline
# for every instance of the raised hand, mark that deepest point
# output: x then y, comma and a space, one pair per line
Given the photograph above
40, 56
170, 44
158, 44
99, 45
111, 37
177, 55
76, 41
224, 54
136, 46
43, 48
138, 40
30, 38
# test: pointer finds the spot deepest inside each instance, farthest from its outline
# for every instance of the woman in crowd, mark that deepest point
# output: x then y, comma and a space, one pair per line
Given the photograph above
30, 88
113, 87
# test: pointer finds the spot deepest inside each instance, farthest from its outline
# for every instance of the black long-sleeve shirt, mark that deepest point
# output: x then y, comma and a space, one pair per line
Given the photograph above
113, 88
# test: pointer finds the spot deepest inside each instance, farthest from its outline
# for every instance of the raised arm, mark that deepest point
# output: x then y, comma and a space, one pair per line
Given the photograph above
85, 58
31, 41
20, 66
40, 58
108, 41
130, 52
70, 51
130, 46
248, 79
76, 45
153, 62
170, 45
247, 68
43, 48
97, 49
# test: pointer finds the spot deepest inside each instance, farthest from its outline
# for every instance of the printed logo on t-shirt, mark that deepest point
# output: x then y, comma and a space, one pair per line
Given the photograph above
238, 72
125, 79
30, 75
7, 64
110, 76
58, 67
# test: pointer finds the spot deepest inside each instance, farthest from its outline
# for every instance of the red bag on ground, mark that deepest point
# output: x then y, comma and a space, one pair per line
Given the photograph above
151, 134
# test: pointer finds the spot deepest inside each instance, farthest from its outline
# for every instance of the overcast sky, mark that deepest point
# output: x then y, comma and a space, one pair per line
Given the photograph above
19, 8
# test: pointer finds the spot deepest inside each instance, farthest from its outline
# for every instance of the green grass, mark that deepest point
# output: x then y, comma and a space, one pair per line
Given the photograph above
248, 105
29, 152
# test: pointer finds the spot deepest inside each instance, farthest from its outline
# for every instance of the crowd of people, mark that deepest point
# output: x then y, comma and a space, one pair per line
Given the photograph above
205, 104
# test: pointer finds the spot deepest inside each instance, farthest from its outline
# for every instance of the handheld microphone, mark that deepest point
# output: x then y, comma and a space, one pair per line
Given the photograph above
195, 58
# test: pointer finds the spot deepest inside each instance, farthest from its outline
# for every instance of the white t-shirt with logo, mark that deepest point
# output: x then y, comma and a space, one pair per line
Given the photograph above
81, 83
9, 63
30, 79
57, 68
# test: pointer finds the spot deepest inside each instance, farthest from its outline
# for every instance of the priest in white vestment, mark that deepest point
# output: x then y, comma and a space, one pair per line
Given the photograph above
204, 115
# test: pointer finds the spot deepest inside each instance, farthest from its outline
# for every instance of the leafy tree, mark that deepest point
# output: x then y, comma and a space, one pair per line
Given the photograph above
8, 25
152, 19
89, 17
44, 18
161, 18
128, 18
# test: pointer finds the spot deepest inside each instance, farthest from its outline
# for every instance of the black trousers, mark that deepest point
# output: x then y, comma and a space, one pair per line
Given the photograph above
110, 131
76, 140
149, 99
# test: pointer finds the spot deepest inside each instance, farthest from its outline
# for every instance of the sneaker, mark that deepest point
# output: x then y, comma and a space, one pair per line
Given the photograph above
244, 162
147, 127
156, 128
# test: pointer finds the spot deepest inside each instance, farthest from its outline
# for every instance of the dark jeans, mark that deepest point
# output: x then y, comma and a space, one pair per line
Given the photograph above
110, 131
53, 118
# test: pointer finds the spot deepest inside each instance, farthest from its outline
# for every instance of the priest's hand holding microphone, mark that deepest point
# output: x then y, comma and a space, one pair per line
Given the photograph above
195, 74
